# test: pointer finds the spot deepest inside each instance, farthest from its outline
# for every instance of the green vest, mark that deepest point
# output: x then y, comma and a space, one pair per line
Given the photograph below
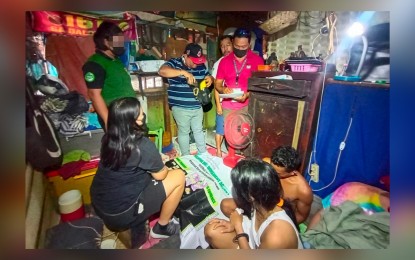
117, 79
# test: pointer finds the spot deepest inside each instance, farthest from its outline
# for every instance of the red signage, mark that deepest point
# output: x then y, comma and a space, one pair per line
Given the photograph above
76, 24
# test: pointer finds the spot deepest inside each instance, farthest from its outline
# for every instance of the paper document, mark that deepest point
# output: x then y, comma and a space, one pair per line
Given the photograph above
281, 77
232, 95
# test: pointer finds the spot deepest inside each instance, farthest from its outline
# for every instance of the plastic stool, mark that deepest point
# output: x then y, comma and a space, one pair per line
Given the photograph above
158, 137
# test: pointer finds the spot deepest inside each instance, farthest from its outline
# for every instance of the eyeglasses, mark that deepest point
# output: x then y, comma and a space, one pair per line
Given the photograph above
242, 33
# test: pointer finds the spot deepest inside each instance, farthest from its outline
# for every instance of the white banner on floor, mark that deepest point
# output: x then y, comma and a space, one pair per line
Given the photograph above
205, 173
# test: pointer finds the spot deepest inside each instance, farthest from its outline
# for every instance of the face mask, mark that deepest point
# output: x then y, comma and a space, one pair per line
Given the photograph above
118, 51
240, 53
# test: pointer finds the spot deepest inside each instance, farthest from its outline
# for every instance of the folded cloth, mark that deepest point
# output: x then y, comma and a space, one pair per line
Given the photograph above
76, 103
76, 155
80, 122
93, 122
72, 124
346, 226
55, 118
54, 105
71, 169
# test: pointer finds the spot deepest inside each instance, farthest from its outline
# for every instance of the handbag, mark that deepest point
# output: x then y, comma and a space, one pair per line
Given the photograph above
202, 94
193, 209
43, 148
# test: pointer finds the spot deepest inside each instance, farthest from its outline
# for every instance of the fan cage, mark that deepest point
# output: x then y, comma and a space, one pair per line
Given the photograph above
233, 134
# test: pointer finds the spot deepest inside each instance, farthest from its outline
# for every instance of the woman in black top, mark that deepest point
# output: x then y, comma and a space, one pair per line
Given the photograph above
131, 182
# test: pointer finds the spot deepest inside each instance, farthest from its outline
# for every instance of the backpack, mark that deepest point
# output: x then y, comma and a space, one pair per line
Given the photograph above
43, 149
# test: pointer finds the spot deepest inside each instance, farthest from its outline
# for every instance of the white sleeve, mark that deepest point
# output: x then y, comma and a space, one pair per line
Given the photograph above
215, 68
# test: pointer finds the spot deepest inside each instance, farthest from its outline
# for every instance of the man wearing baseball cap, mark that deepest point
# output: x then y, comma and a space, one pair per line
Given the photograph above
187, 111
195, 53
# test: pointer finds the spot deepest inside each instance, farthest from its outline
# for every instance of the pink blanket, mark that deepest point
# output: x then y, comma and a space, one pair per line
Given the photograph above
371, 199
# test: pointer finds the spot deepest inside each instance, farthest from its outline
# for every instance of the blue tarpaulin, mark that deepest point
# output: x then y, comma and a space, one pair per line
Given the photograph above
357, 115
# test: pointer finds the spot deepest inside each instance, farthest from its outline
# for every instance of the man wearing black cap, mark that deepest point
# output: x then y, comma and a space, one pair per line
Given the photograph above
104, 73
187, 111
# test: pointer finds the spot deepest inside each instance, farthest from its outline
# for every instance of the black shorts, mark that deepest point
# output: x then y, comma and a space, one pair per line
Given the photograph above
148, 203
151, 198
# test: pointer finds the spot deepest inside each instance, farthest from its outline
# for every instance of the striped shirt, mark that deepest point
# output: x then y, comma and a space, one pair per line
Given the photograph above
179, 92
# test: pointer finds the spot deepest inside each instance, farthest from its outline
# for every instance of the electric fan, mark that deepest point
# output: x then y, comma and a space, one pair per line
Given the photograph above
239, 131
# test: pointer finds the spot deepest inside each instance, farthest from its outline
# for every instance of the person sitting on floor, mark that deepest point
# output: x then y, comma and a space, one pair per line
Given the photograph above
132, 183
261, 218
286, 161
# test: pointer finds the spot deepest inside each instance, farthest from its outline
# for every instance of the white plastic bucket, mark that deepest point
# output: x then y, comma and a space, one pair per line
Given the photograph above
71, 206
108, 244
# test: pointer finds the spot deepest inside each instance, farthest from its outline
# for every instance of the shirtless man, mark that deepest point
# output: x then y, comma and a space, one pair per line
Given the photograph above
286, 161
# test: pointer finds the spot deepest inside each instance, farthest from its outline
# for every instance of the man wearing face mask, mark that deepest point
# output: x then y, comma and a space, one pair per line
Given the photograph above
105, 75
187, 111
234, 71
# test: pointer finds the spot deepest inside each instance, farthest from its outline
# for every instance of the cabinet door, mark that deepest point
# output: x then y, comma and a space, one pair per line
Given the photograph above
278, 121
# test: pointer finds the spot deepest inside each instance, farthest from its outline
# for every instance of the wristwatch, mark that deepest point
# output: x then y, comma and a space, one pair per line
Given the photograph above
236, 238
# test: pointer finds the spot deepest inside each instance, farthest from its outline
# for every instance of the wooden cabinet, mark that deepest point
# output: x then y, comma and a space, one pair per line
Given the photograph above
284, 112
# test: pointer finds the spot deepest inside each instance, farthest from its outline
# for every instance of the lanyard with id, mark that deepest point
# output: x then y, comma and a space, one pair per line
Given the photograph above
240, 70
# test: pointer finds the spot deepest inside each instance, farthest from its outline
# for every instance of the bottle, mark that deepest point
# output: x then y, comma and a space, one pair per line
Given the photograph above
133, 50
300, 52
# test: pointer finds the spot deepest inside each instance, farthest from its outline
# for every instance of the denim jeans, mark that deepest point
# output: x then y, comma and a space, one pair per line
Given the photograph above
220, 124
186, 120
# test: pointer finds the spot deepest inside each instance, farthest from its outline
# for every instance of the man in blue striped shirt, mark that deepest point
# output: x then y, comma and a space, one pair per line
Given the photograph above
182, 72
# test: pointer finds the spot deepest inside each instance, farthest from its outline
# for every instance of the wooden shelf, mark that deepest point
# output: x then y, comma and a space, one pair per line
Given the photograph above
359, 83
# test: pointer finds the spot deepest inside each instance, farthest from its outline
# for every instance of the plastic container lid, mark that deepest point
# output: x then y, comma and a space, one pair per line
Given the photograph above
348, 78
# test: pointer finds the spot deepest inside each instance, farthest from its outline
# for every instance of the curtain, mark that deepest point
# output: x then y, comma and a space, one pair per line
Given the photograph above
68, 54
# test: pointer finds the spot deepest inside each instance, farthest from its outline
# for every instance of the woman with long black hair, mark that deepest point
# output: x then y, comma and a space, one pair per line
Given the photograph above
263, 219
131, 182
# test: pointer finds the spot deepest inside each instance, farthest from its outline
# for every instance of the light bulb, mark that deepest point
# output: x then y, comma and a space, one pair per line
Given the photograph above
356, 29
